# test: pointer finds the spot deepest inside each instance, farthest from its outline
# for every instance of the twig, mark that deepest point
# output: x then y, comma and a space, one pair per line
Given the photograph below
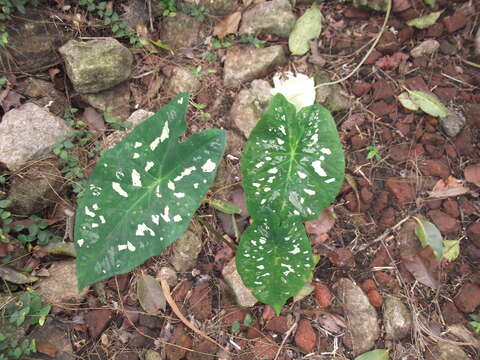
382, 30
287, 335
215, 232
183, 319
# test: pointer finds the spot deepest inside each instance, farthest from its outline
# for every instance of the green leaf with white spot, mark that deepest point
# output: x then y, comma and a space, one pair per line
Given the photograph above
425, 21
143, 193
274, 259
306, 28
293, 163
428, 103
429, 235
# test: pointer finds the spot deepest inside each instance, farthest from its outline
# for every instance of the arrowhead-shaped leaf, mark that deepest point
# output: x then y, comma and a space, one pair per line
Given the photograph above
275, 260
293, 163
143, 193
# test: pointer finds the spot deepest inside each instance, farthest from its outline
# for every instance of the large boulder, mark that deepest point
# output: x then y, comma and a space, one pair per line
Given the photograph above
246, 63
33, 41
27, 133
271, 17
96, 65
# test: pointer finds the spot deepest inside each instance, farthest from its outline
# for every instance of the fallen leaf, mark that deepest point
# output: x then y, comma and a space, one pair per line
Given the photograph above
472, 174
448, 188
306, 28
229, 25
425, 21
428, 103
131, 316
430, 3
379, 354
93, 119
11, 100
225, 207
407, 102
429, 235
451, 249
392, 62
47, 349
53, 72
322, 225
424, 267
222, 257
150, 294
15, 277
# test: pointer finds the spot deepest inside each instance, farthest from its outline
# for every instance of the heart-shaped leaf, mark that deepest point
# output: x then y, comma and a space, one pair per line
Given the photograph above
143, 193
306, 28
429, 235
293, 163
428, 103
274, 260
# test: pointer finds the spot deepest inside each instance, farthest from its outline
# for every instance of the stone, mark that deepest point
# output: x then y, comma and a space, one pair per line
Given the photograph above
455, 22
453, 123
97, 321
473, 232
473, 113
323, 295
243, 295
265, 348
397, 319
181, 32
183, 341
35, 188
52, 334
127, 355
249, 105
182, 80
34, 27
279, 324
444, 222
61, 286
378, 5
168, 274
201, 302
28, 132
330, 96
305, 336
202, 350
117, 99
152, 355
219, 7
185, 251
136, 118
434, 167
246, 63
375, 298
96, 65
427, 47
446, 351
402, 190
269, 18
468, 297
44, 94
360, 315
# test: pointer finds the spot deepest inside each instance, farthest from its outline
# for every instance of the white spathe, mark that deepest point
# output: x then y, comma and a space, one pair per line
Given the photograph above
298, 89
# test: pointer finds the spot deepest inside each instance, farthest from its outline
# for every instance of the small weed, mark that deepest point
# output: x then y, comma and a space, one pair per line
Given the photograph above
252, 40
26, 311
5, 221
222, 43
7, 8
170, 7
373, 153
197, 11
475, 323
114, 121
247, 321
36, 232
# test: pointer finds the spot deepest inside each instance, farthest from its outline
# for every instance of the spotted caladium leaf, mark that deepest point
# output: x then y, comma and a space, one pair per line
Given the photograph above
143, 193
293, 163
274, 259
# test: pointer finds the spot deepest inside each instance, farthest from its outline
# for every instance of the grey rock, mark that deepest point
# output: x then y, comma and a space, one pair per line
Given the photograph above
136, 118
453, 123
246, 63
32, 28
426, 47
96, 65
219, 7
271, 17
243, 295
330, 96
51, 333
362, 322
397, 319
44, 94
182, 80
447, 47
116, 98
185, 251
36, 188
27, 133
249, 106
446, 351
152, 355
168, 274
181, 32
61, 286
378, 5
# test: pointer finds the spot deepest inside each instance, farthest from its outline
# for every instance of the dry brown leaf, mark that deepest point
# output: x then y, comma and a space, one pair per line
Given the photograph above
448, 188
150, 294
11, 100
392, 62
47, 349
229, 25
319, 227
472, 174
424, 267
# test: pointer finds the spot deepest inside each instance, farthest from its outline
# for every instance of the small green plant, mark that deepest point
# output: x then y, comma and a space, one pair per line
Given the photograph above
247, 321
114, 121
475, 323
373, 153
222, 43
26, 311
252, 40
170, 7
197, 11
104, 11
5, 221
36, 232
7, 8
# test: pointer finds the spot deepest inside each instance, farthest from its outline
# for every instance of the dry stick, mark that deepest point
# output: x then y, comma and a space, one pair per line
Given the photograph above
287, 335
183, 319
382, 30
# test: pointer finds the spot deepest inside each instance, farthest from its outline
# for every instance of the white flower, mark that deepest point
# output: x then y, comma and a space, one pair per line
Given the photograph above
298, 89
